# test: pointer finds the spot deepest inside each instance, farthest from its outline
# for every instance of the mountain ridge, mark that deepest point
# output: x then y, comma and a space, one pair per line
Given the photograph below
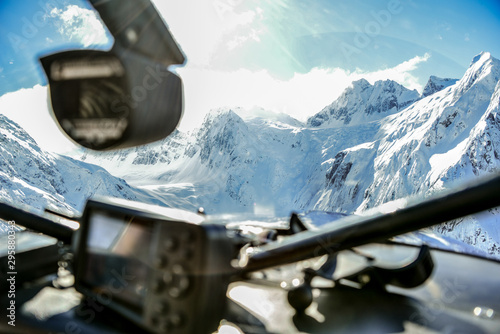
435, 84
239, 162
40, 180
362, 102
422, 148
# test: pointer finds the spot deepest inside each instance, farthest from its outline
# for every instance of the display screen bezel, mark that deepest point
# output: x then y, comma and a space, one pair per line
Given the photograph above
114, 292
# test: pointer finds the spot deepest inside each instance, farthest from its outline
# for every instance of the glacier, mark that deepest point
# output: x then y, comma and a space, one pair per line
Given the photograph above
374, 144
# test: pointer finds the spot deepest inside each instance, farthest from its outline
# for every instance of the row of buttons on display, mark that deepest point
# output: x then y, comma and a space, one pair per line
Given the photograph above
172, 281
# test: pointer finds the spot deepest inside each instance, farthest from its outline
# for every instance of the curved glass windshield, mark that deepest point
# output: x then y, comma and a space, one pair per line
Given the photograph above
330, 108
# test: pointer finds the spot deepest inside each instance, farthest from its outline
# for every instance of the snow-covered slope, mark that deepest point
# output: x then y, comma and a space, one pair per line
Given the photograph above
374, 144
449, 136
36, 179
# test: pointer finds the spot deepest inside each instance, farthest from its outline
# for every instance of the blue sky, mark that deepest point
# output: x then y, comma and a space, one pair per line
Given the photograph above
307, 52
282, 37
283, 55
286, 37
31, 28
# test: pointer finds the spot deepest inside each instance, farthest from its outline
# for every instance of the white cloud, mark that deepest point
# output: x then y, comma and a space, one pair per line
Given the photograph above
400, 73
80, 25
214, 23
239, 40
301, 96
411, 64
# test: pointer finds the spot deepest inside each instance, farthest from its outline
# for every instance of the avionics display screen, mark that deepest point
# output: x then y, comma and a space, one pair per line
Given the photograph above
117, 257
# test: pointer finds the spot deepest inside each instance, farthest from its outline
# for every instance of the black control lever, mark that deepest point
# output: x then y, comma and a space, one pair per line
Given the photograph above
373, 277
353, 231
296, 226
409, 276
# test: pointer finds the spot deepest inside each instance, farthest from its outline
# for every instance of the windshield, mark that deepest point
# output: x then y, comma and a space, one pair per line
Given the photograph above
326, 106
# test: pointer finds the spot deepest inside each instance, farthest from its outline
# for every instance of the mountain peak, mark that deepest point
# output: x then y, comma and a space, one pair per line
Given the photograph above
484, 60
220, 115
481, 58
260, 115
389, 86
386, 82
483, 70
363, 102
224, 112
436, 84
8, 125
360, 83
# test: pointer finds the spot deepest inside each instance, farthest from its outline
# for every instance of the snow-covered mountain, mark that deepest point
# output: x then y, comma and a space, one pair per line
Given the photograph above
237, 161
374, 144
363, 102
36, 179
435, 84
448, 136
